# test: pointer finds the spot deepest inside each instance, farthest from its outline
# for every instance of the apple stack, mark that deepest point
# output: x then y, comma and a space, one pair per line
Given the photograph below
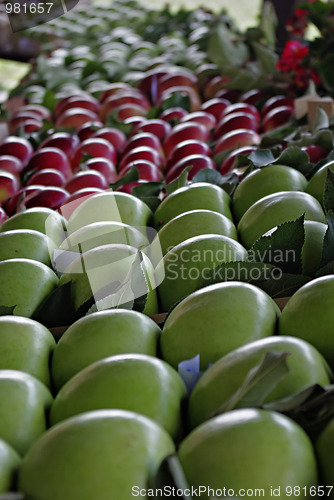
156, 215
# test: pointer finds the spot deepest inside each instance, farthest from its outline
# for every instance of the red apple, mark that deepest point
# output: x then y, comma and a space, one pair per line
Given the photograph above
315, 153
277, 117
113, 88
183, 132
75, 199
50, 158
143, 139
11, 164
85, 102
47, 177
30, 126
149, 83
18, 147
156, 126
121, 98
187, 79
233, 121
61, 140
51, 197
242, 107
186, 148
17, 202
237, 139
230, 160
127, 188
38, 109
113, 135
214, 84
215, 106
206, 119
95, 147
196, 161
75, 118
232, 95
88, 130
146, 170
142, 153
195, 100
276, 101
135, 122
9, 185
106, 167
20, 118
173, 114
254, 96
86, 179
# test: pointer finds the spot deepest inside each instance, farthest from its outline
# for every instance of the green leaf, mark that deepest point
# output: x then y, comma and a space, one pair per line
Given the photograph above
328, 246
328, 197
268, 23
177, 100
293, 156
208, 175
326, 71
260, 381
180, 181
283, 285
149, 193
49, 100
282, 248
58, 308
225, 50
131, 176
170, 473
261, 157
267, 58
249, 272
7, 310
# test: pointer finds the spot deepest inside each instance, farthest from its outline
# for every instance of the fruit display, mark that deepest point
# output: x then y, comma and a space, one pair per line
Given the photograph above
167, 259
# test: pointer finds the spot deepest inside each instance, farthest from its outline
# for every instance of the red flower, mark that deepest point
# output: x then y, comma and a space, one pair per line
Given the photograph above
293, 53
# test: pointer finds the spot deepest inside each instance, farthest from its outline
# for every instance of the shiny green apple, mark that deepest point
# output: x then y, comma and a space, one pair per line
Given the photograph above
96, 455
313, 246
109, 206
264, 181
26, 244
250, 449
196, 196
324, 450
98, 271
9, 464
136, 382
187, 263
316, 184
40, 219
309, 315
226, 376
216, 320
273, 210
26, 345
24, 403
100, 335
25, 283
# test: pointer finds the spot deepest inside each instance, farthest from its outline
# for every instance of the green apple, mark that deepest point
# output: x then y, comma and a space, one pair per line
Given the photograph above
104, 233
226, 376
273, 210
216, 320
316, 184
309, 315
40, 219
96, 455
313, 245
109, 206
249, 449
25, 283
9, 464
324, 451
24, 402
26, 345
264, 181
194, 223
186, 264
26, 244
98, 271
136, 382
199, 195
100, 335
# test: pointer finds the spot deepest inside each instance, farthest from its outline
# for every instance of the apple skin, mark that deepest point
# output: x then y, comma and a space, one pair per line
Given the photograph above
183, 132
26, 244
9, 185
26, 345
200, 195
237, 138
308, 315
156, 126
61, 140
75, 118
24, 402
104, 233
103, 266
249, 449
233, 121
50, 157
323, 447
11, 164
75, 459
316, 184
231, 159
17, 146
264, 181
277, 117
113, 206
140, 383
44, 220
194, 223
195, 325
197, 162
218, 384
274, 209
86, 178
47, 177
25, 283
9, 465
216, 106
100, 335
313, 245
184, 266
187, 148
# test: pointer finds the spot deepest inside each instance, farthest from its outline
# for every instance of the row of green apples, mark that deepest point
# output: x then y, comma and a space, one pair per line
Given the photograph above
195, 326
